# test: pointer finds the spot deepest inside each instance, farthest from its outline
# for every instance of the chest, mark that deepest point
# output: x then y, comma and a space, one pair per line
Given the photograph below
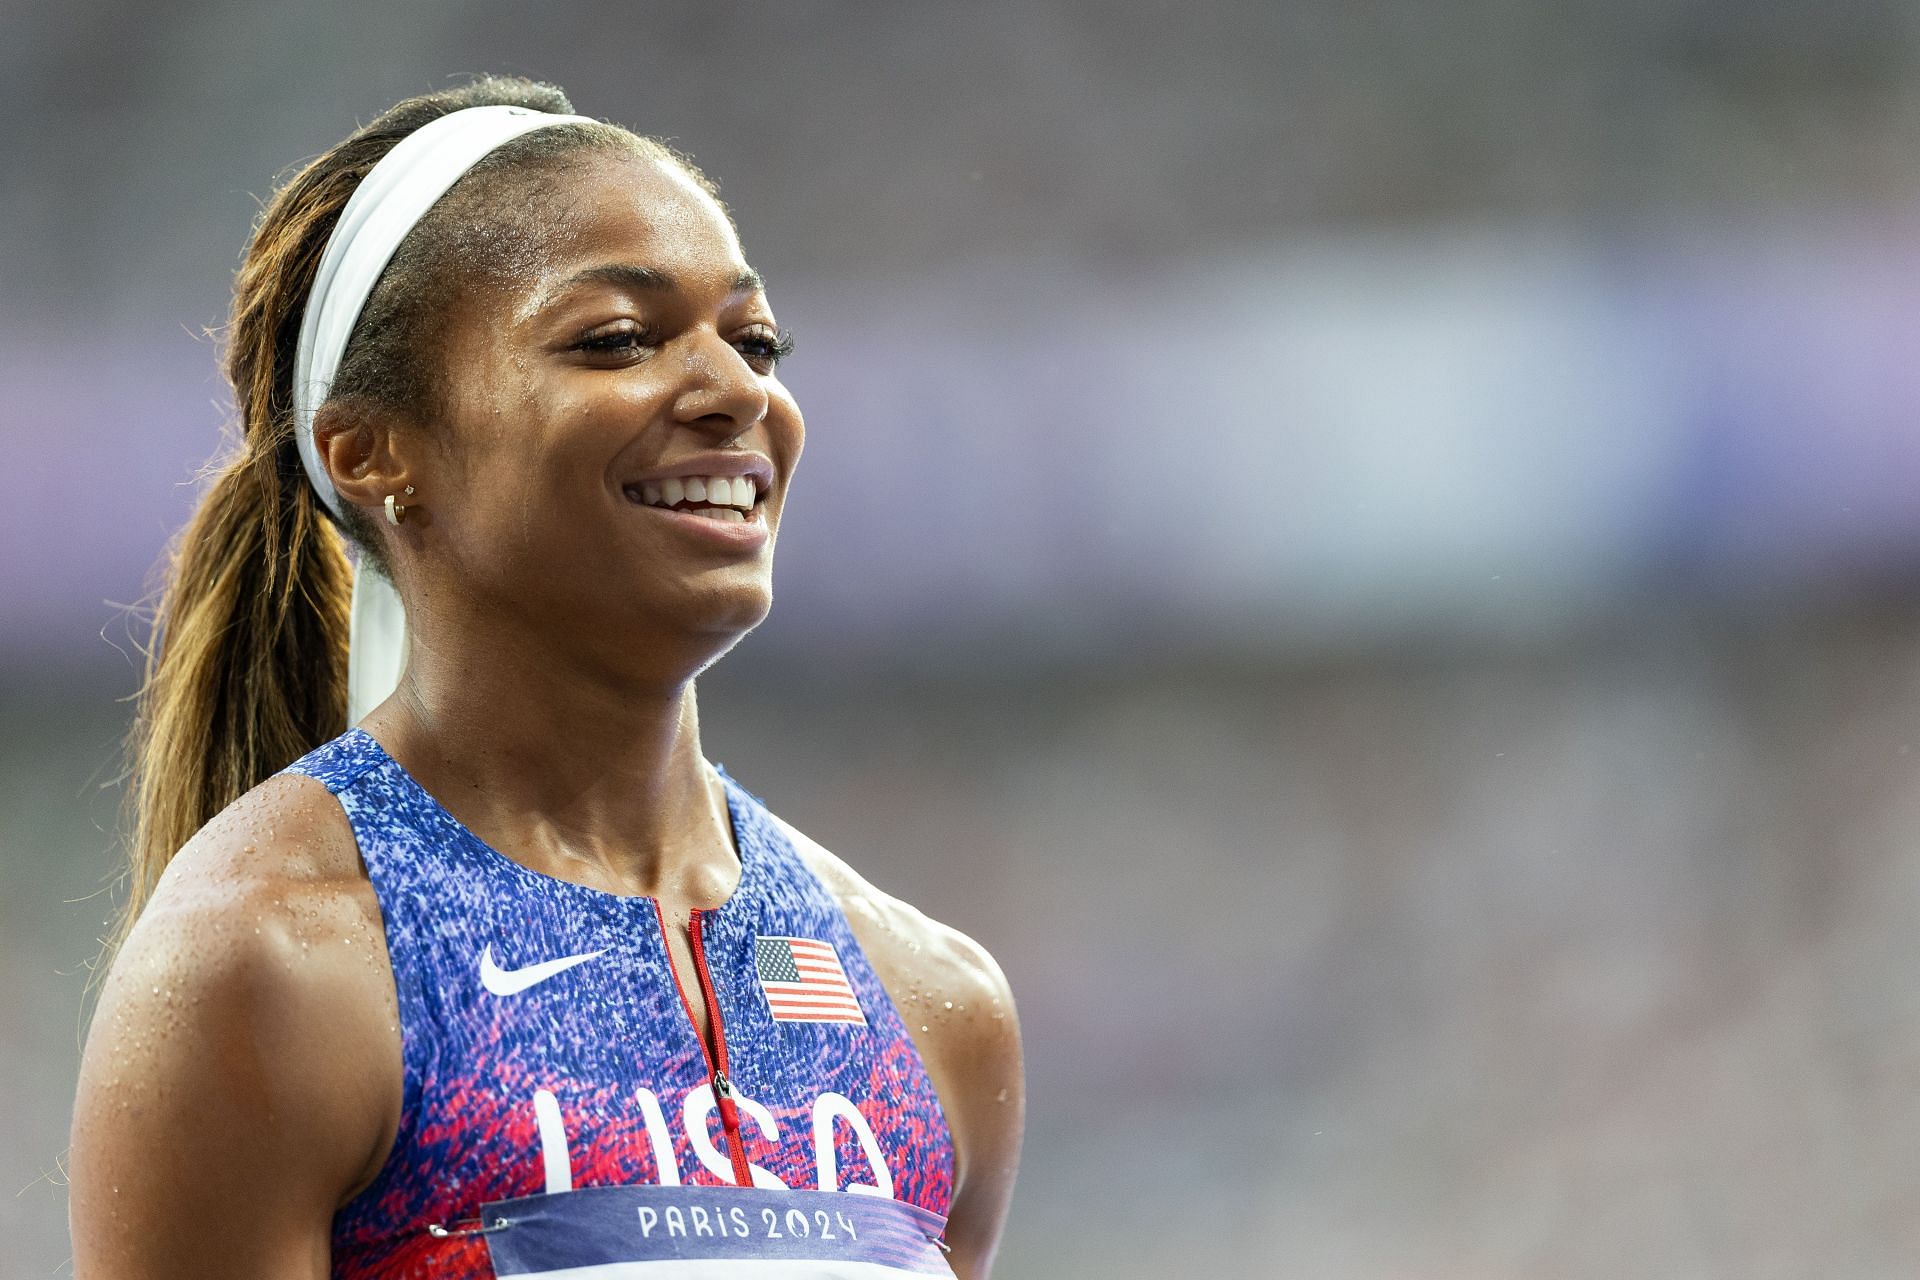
558, 1041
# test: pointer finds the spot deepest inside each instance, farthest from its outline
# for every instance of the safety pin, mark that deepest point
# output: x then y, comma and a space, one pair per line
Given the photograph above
479, 1228
944, 1246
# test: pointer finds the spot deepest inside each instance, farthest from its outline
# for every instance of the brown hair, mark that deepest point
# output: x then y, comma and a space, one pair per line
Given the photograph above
246, 669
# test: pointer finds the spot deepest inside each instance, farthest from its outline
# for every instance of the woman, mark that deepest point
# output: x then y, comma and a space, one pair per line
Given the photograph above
507, 973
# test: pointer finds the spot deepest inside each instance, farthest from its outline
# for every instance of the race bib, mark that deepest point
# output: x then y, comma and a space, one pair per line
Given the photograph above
712, 1233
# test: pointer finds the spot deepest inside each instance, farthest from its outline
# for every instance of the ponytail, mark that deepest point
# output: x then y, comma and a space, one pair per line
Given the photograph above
247, 670
247, 665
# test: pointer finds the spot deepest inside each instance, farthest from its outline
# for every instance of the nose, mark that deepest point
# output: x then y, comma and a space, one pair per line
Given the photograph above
720, 391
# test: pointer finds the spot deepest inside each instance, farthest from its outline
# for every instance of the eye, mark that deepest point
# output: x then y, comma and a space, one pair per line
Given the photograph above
627, 342
765, 347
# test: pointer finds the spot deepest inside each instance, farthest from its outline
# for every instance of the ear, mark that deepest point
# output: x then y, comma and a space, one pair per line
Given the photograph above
367, 452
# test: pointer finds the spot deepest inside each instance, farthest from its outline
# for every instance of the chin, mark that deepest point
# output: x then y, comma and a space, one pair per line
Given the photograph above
723, 611
685, 622
740, 616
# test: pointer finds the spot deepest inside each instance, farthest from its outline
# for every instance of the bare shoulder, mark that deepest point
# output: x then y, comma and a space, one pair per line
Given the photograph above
273, 877
286, 836
242, 1063
959, 1009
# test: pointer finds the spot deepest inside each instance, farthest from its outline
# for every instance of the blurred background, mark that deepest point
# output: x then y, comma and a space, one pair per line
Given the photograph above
1367, 550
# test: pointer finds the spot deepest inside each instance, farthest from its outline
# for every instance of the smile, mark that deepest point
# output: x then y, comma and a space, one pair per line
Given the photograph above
723, 498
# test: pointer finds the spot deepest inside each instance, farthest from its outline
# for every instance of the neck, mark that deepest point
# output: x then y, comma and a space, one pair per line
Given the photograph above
585, 777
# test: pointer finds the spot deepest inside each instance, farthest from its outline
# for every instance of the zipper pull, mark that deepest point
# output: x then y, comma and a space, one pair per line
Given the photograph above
729, 1109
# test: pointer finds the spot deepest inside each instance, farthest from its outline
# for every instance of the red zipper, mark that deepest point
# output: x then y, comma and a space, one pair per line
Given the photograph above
722, 1087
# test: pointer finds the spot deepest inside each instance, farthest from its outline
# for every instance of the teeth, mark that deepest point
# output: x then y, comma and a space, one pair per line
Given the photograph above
735, 494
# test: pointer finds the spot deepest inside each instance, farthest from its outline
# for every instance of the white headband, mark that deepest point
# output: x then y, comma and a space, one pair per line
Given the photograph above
395, 194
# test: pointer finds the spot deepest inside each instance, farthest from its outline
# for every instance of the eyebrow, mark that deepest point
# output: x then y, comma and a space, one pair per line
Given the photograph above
647, 279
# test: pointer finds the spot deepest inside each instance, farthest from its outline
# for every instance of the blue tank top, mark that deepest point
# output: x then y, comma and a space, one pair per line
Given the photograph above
548, 1045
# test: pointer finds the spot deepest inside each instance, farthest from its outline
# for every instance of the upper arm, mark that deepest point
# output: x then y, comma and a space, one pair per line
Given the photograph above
983, 1089
962, 1019
236, 1081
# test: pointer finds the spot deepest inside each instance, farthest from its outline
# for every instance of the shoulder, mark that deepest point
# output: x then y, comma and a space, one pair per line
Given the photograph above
959, 1009
251, 895
287, 833
263, 918
242, 1049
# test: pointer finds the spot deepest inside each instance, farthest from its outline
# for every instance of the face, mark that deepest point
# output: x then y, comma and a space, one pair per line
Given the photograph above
616, 445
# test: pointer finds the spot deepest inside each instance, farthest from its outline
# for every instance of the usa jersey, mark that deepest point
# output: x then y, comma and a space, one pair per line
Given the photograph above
548, 1045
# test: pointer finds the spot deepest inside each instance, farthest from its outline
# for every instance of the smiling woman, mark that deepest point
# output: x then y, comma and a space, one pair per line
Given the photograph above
448, 952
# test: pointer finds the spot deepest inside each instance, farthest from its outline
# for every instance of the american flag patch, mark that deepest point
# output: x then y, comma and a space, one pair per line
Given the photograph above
804, 981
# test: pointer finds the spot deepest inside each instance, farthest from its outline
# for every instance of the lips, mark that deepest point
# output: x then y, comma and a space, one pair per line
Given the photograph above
725, 527
717, 497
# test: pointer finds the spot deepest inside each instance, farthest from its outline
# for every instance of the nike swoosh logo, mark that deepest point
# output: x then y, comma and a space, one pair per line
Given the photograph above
510, 982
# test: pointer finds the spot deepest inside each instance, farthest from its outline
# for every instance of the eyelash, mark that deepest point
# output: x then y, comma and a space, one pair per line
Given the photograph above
775, 346
770, 347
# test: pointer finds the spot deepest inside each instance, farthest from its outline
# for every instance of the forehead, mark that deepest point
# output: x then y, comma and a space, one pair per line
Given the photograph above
635, 210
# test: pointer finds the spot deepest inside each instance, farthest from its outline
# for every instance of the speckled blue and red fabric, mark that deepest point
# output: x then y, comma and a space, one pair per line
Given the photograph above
602, 1034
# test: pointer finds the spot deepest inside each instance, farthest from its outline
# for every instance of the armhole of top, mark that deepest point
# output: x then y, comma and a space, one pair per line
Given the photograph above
408, 1120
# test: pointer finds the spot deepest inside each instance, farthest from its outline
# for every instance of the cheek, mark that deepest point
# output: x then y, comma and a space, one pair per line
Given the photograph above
507, 472
545, 440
